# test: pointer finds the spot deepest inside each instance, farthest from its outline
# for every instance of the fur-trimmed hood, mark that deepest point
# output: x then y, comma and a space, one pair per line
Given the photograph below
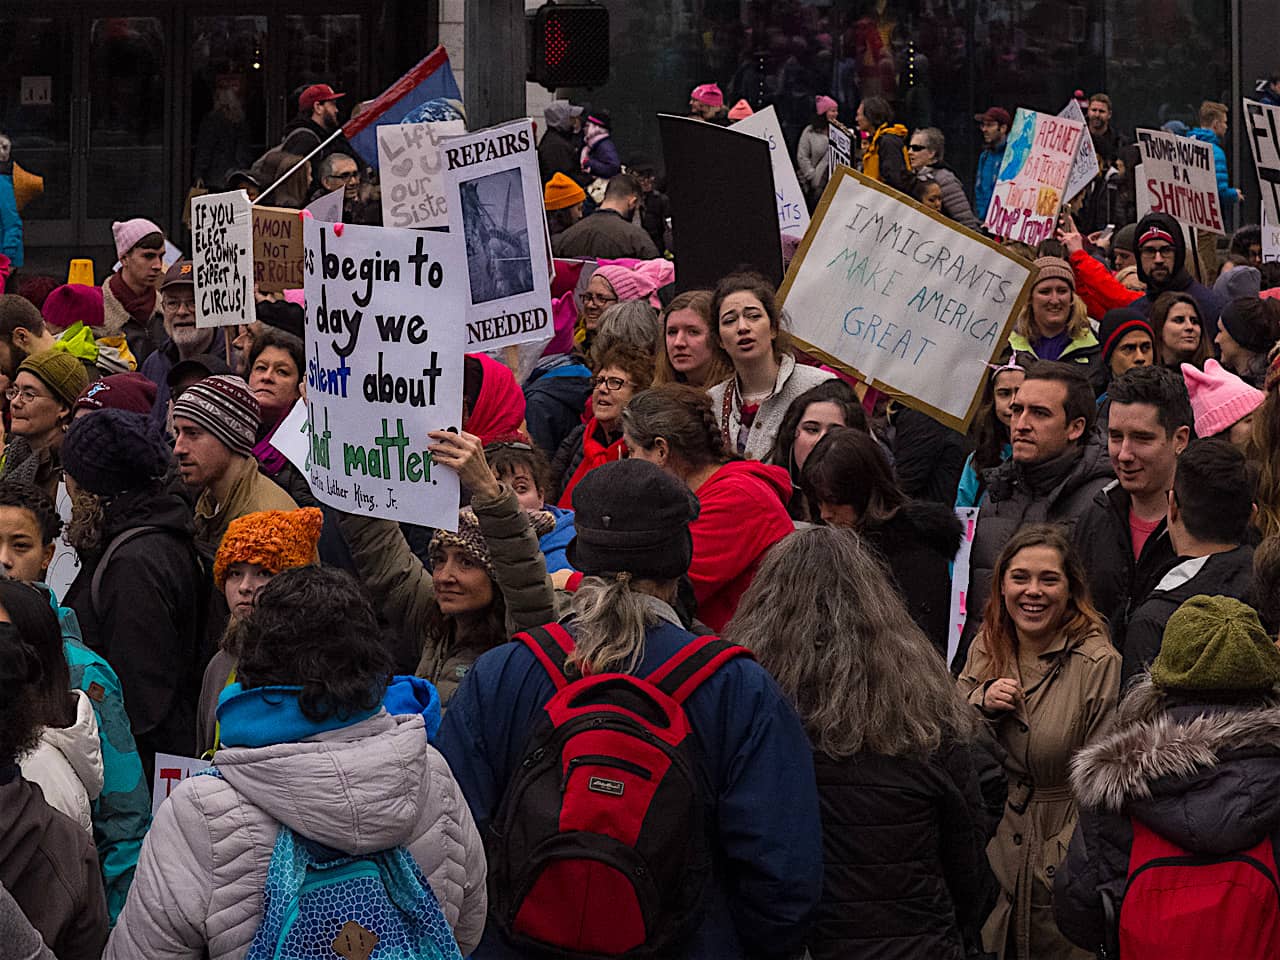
1205, 776
930, 524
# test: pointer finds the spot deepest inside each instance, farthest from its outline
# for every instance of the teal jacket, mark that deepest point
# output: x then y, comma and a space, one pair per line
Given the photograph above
122, 812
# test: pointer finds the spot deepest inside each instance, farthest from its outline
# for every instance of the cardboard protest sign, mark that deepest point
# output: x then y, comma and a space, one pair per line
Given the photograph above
723, 206
1085, 166
328, 207
171, 770
1178, 178
384, 366
1028, 192
412, 173
968, 517
1262, 121
839, 147
494, 198
793, 213
221, 254
902, 298
277, 249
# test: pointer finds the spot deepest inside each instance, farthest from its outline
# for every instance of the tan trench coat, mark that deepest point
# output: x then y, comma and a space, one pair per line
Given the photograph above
1065, 704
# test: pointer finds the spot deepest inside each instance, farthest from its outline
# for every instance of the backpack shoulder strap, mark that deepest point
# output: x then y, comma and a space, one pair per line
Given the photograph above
118, 541
551, 644
693, 664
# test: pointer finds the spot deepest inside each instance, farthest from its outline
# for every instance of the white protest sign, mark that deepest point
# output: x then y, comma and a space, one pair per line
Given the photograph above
412, 174
793, 213
494, 197
292, 438
902, 298
968, 517
66, 562
1085, 167
384, 366
222, 254
1270, 239
1262, 122
1028, 192
1178, 178
839, 148
328, 207
170, 771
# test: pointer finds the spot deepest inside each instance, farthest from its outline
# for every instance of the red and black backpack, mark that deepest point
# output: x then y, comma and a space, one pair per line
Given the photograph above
601, 845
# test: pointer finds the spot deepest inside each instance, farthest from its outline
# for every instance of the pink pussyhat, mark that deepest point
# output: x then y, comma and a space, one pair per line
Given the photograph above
1219, 398
825, 103
127, 233
709, 94
740, 111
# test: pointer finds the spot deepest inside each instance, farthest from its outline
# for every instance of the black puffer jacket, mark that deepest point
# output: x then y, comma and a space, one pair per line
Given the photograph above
1204, 776
904, 856
1057, 491
918, 543
1227, 574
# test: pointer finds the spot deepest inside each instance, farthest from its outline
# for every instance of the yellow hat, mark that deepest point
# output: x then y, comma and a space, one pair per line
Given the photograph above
26, 186
561, 192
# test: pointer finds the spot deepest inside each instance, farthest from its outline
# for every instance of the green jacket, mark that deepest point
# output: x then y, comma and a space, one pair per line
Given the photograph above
1084, 351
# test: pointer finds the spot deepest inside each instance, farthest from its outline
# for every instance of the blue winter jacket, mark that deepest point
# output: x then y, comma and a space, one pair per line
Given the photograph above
10, 223
555, 544
768, 874
1227, 194
989, 161
555, 395
603, 160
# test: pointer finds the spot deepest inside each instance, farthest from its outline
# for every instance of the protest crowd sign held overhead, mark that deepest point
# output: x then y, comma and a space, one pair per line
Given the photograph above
777, 521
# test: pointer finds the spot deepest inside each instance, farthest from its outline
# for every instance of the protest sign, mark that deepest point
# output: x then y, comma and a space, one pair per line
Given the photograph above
171, 770
839, 148
1085, 166
327, 208
1270, 239
902, 298
793, 213
384, 366
1028, 192
1262, 121
723, 207
968, 517
1178, 178
292, 438
412, 173
494, 198
221, 254
277, 249
65, 564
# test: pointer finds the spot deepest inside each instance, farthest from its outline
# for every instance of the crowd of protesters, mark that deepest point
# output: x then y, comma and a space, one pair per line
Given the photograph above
685, 680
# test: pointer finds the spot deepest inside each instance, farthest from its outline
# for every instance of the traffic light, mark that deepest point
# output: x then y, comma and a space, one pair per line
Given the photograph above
569, 45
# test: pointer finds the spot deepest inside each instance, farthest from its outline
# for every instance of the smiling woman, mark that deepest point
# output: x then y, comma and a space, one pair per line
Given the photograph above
1054, 324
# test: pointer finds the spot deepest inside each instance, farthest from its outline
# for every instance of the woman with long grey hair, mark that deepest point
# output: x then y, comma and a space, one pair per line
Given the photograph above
903, 823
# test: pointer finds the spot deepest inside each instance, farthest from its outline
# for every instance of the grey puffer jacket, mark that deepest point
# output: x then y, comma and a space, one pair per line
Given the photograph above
367, 787
955, 202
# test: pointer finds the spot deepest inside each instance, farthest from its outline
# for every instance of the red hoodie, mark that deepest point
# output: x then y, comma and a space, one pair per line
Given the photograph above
744, 513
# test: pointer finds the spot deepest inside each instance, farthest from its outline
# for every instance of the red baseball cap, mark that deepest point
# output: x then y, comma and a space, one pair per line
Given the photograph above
317, 93
996, 114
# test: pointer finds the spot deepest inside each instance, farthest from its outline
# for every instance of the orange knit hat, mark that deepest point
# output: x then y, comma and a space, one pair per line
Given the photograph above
561, 192
273, 539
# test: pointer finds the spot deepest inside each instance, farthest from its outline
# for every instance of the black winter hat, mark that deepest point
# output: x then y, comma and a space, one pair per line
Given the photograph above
111, 451
1246, 320
632, 517
1160, 226
1116, 325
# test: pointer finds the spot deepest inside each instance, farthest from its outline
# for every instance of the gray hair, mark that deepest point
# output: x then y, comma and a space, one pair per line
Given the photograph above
841, 645
935, 141
327, 162
632, 322
609, 619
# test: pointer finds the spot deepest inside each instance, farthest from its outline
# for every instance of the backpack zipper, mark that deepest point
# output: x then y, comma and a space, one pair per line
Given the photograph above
599, 760
1203, 861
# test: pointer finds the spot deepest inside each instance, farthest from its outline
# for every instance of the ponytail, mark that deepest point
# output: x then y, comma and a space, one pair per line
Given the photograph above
610, 618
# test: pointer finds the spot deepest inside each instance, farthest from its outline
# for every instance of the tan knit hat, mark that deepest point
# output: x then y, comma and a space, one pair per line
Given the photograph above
1054, 268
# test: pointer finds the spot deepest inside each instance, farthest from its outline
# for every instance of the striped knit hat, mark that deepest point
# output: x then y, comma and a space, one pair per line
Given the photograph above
225, 407
470, 539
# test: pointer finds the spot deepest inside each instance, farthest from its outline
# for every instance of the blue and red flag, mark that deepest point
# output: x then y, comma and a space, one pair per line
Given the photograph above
431, 80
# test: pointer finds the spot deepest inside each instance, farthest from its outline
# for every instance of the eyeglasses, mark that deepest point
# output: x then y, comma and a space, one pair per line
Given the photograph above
1157, 251
916, 146
591, 299
178, 305
492, 448
350, 175
26, 393
610, 383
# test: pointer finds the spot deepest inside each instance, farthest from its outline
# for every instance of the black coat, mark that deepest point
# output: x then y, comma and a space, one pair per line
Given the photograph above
1227, 574
560, 152
918, 543
150, 625
904, 854
1204, 776
1117, 582
604, 235
928, 457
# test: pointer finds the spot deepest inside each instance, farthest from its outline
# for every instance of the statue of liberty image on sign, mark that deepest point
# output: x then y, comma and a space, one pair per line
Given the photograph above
498, 257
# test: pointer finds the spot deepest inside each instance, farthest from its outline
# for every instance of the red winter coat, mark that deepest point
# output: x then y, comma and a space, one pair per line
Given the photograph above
595, 451
744, 513
1095, 285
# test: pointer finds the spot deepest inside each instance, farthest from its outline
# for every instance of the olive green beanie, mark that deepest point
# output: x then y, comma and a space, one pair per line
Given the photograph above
1216, 644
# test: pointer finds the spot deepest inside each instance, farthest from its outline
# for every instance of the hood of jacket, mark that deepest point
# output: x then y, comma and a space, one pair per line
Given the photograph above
737, 475
924, 522
1205, 135
150, 507
80, 745
357, 789
1179, 279
1205, 776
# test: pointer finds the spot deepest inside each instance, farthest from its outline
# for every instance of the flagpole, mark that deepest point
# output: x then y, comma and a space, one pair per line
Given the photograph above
332, 137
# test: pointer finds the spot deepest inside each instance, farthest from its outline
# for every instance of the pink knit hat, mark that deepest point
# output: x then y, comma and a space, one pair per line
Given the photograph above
639, 282
73, 302
127, 233
740, 111
709, 94
825, 103
1219, 398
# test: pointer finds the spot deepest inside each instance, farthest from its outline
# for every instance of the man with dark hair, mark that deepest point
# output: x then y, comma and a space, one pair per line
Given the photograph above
610, 233
1107, 140
994, 123
1210, 507
130, 296
1123, 535
22, 333
1162, 265
1053, 476
316, 121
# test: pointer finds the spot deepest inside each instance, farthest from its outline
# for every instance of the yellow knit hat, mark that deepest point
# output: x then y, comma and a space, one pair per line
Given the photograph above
561, 192
276, 540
